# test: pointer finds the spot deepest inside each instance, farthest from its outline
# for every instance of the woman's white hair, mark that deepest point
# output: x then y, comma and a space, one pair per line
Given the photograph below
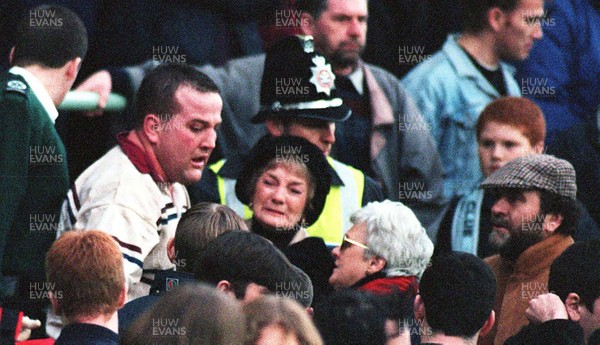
395, 234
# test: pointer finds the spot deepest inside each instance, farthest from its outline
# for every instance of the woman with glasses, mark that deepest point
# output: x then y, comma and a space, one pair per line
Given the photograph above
385, 253
285, 182
386, 250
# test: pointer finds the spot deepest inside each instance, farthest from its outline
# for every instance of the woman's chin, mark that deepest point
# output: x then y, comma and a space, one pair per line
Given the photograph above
277, 224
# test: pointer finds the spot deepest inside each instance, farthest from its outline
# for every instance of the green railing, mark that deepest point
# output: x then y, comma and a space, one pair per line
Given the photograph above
88, 101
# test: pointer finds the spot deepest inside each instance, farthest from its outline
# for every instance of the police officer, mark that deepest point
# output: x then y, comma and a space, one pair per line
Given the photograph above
298, 97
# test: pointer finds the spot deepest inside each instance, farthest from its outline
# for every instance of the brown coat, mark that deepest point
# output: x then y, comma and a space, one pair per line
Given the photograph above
520, 282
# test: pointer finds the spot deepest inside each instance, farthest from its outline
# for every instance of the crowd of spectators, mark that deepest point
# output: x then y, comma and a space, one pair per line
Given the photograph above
273, 181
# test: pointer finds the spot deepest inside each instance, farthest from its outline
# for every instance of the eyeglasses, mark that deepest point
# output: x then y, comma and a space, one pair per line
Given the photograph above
347, 242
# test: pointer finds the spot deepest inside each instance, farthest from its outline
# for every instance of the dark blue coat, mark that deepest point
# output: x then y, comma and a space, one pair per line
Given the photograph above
562, 73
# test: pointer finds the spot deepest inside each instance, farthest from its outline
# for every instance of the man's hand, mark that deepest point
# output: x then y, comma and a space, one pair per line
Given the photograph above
546, 307
26, 326
101, 83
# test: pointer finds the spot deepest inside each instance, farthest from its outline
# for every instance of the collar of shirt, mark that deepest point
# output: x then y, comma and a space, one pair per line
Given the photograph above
38, 90
458, 56
138, 157
357, 77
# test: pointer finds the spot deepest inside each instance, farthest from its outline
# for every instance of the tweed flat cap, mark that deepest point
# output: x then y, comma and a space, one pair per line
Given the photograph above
543, 172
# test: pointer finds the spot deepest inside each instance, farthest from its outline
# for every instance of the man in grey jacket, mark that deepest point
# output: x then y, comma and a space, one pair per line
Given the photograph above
386, 136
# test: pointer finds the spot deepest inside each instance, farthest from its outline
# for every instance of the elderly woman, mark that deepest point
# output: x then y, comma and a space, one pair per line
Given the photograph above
385, 251
285, 182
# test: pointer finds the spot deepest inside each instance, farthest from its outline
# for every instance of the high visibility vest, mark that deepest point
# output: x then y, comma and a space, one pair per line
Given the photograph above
341, 201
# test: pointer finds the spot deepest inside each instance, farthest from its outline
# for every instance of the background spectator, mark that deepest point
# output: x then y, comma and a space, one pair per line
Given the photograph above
533, 218
452, 88
276, 320
579, 146
351, 317
285, 181
87, 285
455, 299
193, 314
245, 266
562, 73
386, 250
508, 128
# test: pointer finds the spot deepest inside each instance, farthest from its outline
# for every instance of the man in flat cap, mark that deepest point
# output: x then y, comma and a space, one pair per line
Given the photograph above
533, 219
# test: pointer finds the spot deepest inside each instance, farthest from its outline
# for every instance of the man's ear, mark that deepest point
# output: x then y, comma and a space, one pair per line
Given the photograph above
538, 148
496, 18
419, 308
152, 127
376, 264
573, 305
11, 55
489, 323
171, 254
310, 311
122, 296
72, 68
552, 222
275, 127
226, 287
54, 301
307, 23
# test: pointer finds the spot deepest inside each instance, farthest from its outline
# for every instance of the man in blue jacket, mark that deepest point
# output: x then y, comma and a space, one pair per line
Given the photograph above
455, 84
562, 74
